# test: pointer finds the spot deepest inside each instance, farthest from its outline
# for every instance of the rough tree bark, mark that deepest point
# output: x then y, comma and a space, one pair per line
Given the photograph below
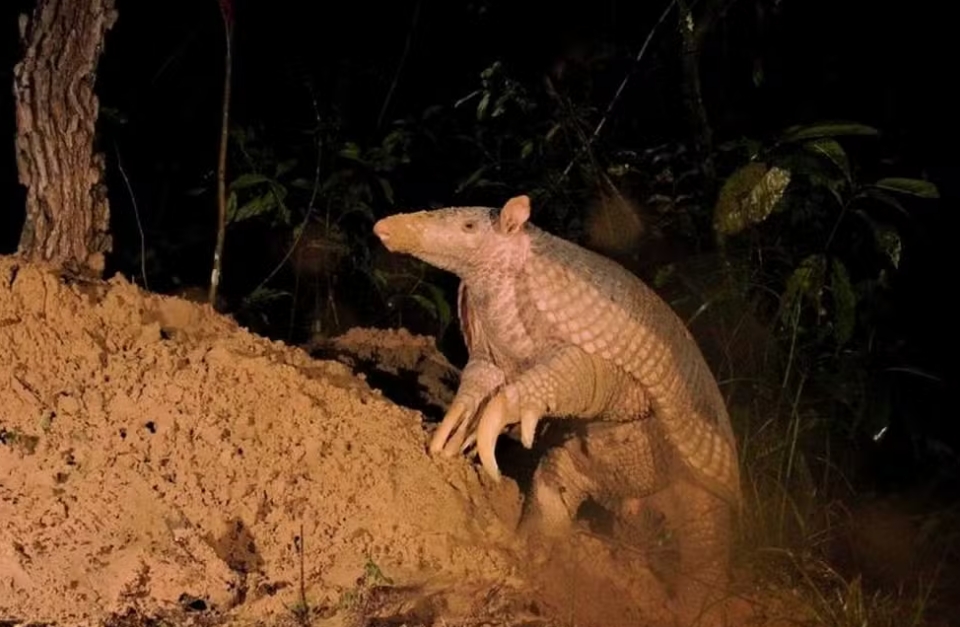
68, 217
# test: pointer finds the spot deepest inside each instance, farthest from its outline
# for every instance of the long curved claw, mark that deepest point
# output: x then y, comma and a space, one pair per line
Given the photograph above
456, 442
528, 426
470, 441
457, 415
496, 415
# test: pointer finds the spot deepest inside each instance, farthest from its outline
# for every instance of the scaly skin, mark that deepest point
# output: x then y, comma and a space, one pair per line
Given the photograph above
556, 330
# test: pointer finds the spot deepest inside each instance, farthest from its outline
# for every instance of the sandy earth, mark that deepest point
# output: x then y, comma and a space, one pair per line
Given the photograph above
158, 461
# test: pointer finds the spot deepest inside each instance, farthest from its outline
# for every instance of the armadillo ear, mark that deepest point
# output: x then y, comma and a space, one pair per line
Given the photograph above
514, 214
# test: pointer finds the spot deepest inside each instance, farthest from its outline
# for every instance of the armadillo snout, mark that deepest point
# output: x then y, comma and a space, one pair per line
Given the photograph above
399, 233
386, 230
382, 230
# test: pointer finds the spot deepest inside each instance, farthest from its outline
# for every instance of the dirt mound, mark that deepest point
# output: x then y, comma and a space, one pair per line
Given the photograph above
158, 463
153, 452
409, 369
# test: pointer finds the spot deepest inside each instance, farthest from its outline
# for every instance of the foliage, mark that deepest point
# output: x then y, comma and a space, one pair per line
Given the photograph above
316, 199
262, 190
358, 599
824, 239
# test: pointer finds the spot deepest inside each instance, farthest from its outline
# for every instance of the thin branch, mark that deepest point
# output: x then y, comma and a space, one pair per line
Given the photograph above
403, 60
136, 214
225, 12
616, 96
310, 207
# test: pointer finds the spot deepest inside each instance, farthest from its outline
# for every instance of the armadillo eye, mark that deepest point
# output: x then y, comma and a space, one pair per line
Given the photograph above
469, 226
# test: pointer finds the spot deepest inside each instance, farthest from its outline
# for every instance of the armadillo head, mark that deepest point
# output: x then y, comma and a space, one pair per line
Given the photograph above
464, 240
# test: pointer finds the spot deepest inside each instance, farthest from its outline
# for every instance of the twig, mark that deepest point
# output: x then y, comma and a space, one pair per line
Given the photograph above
301, 546
136, 214
403, 60
310, 206
616, 96
227, 15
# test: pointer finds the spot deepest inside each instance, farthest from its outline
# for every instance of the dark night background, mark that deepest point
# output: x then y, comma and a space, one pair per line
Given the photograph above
160, 79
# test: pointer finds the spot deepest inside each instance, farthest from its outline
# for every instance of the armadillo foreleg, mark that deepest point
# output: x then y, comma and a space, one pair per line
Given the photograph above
568, 383
479, 379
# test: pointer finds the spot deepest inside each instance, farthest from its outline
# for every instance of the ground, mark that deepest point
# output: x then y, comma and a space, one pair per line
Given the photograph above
161, 465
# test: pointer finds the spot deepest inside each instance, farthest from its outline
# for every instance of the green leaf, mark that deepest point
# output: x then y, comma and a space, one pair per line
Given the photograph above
231, 207
297, 230
806, 282
832, 151
888, 241
482, 105
490, 72
748, 197
553, 131
913, 187
434, 110
886, 238
885, 198
527, 149
279, 191
828, 129
350, 151
284, 166
757, 74
380, 278
373, 573
472, 179
259, 205
426, 303
664, 275
283, 213
500, 106
618, 170
844, 302
248, 180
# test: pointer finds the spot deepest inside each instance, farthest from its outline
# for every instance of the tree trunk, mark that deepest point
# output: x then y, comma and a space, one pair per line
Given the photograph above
68, 217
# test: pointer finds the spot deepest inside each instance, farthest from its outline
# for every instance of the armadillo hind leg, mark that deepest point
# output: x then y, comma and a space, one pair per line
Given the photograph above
701, 522
561, 484
613, 463
569, 382
626, 468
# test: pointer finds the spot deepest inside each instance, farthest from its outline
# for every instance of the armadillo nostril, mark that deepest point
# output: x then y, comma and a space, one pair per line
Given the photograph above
381, 230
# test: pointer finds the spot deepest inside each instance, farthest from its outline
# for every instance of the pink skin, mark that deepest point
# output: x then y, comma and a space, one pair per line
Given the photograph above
468, 242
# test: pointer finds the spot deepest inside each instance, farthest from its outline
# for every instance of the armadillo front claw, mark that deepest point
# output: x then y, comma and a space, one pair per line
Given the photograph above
459, 441
528, 426
458, 415
494, 418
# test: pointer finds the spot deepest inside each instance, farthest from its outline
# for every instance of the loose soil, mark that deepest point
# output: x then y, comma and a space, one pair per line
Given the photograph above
161, 465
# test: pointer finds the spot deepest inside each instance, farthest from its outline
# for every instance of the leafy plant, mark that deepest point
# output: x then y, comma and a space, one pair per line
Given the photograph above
356, 599
262, 187
824, 235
